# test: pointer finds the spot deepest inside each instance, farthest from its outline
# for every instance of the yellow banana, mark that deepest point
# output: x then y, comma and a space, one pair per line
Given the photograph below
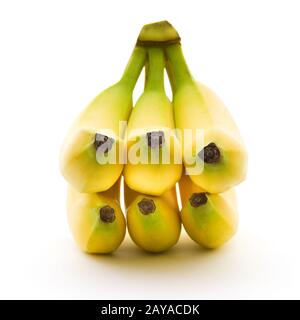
153, 222
90, 157
209, 219
220, 161
96, 220
152, 145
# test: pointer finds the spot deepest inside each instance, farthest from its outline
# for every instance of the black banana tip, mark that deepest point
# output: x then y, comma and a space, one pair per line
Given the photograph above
210, 153
155, 139
103, 143
107, 214
198, 199
146, 206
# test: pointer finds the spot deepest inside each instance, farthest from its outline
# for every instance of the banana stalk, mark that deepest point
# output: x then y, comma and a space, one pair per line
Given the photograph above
158, 33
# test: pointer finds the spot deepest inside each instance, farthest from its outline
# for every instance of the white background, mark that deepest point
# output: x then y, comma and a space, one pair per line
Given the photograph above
55, 56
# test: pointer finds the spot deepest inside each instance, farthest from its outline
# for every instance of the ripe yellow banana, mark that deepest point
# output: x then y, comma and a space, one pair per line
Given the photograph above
209, 219
152, 145
96, 220
153, 222
90, 157
219, 162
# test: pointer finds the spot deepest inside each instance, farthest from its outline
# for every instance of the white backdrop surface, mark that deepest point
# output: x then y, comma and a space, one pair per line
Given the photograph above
55, 56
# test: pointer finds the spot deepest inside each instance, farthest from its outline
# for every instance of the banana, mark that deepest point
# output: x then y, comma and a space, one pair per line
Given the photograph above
153, 222
96, 220
91, 153
219, 161
152, 166
209, 219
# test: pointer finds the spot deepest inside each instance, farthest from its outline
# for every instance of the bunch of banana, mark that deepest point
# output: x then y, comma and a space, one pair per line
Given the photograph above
192, 140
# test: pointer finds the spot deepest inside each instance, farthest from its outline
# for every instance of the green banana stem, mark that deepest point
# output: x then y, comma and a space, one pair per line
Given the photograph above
146, 72
134, 67
170, 75
155, 69
178, 70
